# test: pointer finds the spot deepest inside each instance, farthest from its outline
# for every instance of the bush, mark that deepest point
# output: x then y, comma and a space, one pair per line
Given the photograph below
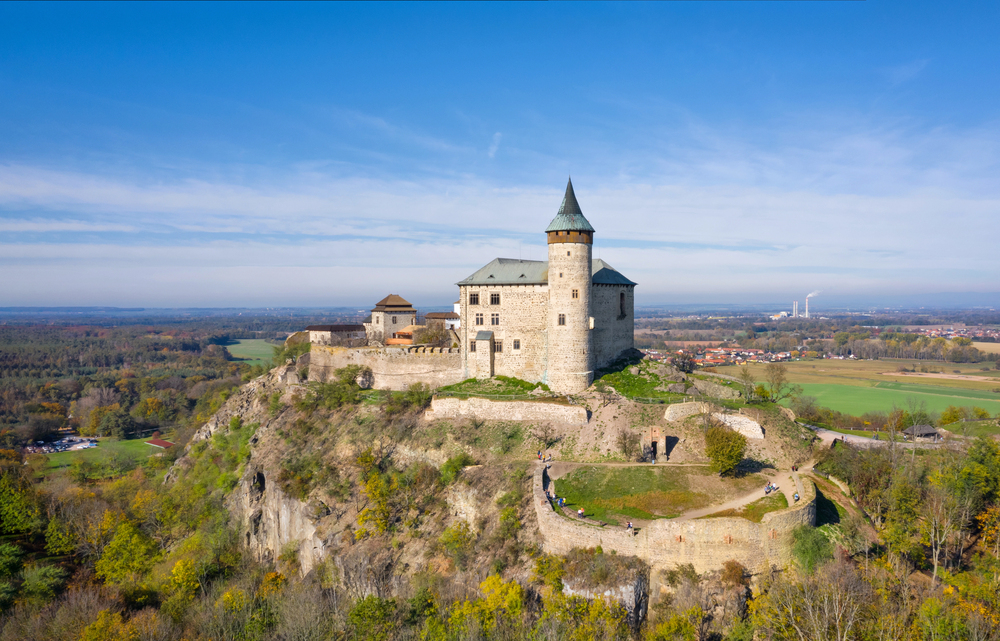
457, 541
725, 448
454, 465
372, 618
811, 547
734, 574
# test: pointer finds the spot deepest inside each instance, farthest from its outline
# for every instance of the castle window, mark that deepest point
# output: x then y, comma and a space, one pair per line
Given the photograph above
576, 293
517, 344
562, 319
479, 319
472, 346
567, 253
494, 319
393, 320
560, 274
497, 347
494, 299
621, 304
473, 299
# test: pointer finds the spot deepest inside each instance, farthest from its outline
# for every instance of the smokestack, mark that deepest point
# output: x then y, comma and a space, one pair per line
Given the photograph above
807, 307
795, 309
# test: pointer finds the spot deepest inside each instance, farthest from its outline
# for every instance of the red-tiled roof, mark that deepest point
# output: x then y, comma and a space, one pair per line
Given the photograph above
156, 442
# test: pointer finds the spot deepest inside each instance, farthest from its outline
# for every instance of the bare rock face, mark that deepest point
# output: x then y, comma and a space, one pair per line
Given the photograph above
631, 590
714, 390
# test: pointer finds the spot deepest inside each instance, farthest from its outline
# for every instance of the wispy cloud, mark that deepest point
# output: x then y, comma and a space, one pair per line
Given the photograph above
899, 74
494, 145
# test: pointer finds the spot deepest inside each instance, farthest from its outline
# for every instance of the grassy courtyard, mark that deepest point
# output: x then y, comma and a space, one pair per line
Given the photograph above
614, 494
755, 511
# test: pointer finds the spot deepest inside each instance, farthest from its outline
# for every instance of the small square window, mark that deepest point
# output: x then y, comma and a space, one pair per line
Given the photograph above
494, 299
567, 253
494, 319
497, 346
479, 319
393, 320
560, 274
472, 346
562, 319
473, 299
517, 344
576, 293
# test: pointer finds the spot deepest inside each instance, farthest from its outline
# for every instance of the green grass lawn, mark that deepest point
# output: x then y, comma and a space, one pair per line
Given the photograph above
255, 351
612, 494
974, 428
857, 400
755, 511
133, 449
496, 386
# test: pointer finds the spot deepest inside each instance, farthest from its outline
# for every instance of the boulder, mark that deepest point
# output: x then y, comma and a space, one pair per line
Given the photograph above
715, 390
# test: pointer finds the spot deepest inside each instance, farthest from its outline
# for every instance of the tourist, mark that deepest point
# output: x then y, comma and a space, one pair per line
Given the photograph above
580, 512
539, 455
796, 496
562, 502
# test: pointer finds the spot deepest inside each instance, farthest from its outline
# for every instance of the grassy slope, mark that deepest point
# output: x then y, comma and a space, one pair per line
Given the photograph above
254, 351
755, 511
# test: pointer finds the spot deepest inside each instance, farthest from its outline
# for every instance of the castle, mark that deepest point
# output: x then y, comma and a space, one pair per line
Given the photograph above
553, 321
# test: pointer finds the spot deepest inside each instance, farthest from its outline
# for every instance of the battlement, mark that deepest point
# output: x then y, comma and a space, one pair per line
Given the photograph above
394, 368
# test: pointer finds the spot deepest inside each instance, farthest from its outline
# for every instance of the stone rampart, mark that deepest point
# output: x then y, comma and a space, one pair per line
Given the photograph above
485, 409
394, 368
680, 411
665, 543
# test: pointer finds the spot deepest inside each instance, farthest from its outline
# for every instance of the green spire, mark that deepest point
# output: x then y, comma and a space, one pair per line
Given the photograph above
570, 217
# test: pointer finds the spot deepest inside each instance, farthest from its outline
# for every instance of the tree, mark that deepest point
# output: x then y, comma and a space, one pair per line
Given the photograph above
725, 448
128, 556
546, 435
748, 382
940, 522
373, 618
777, 381
628, 442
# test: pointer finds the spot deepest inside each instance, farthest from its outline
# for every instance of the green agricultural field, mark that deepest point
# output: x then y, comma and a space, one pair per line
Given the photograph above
255, 351
134, 449
856, 387
858, 400
613, 494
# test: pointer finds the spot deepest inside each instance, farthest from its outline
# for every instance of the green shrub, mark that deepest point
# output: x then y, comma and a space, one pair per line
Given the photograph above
372, 618
810, 548
725, 448
454, 465
458, 541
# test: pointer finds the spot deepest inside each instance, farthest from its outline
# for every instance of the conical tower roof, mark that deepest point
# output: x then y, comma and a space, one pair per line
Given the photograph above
569, 218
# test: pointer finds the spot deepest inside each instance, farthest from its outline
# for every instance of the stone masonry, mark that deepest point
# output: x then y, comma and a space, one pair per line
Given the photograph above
485, 409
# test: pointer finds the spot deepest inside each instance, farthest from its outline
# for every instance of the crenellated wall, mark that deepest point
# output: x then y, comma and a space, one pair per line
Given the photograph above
394, 368
664, 543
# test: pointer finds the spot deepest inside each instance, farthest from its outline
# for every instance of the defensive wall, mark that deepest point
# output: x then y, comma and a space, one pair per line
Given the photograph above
485, 409
393, 368
665, 543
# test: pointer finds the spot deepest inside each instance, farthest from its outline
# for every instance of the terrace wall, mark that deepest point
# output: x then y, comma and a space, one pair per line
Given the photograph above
665, 543
394, 368
488, 410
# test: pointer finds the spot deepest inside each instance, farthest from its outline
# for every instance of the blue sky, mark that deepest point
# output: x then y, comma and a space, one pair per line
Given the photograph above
328, 154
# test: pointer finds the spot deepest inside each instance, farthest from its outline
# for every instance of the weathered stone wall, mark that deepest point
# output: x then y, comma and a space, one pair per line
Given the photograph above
522, 311
680, 411
506, 410
394, 368
664, 543
382, 326
571, 354
614, 334
742, 424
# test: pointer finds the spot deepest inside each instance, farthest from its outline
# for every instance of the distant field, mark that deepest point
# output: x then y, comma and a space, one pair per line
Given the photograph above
989, 348
975, 428
255, 351
135, 448
856, 387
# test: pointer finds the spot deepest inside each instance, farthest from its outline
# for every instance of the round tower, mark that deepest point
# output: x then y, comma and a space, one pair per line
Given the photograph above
570, 353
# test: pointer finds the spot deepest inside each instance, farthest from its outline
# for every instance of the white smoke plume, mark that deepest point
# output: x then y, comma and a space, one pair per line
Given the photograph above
815, 293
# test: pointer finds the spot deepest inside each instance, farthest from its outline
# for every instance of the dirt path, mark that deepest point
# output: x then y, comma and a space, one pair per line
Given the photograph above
741, 501
953, 377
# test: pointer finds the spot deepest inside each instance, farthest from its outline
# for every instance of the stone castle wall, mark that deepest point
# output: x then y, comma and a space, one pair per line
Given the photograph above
613, 335
394, 368
485, 409
665, 543
522, 318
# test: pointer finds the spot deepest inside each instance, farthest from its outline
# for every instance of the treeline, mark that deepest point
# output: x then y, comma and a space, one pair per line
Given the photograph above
121, 382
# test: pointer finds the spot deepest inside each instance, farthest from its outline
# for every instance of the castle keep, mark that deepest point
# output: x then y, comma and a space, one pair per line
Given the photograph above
553, 321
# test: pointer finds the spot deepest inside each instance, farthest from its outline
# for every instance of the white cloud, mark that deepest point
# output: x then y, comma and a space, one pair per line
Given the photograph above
494, 145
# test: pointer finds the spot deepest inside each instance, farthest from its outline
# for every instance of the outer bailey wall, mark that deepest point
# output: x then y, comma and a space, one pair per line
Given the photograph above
612, 336
522, 317
705, 543
394, 368
486, 409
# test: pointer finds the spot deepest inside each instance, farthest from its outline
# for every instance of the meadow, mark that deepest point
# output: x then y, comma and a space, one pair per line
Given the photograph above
107, 449
856, 387
253, 351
